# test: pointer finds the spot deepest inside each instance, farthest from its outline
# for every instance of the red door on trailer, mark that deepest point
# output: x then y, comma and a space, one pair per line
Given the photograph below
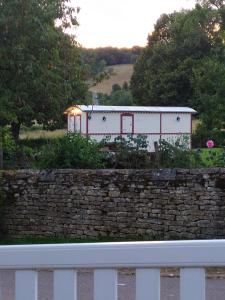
127, 123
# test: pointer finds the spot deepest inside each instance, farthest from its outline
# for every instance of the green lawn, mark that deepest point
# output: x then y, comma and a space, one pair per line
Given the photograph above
211, 157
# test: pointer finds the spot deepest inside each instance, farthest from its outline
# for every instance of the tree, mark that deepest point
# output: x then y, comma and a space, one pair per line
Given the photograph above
212, 3
121, 97
41, 70
209, 85
163, 73
116, 87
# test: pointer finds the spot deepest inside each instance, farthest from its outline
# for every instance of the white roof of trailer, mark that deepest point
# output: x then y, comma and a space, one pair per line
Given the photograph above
144, 109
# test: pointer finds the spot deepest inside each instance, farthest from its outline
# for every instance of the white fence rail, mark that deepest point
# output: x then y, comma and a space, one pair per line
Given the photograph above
146, 257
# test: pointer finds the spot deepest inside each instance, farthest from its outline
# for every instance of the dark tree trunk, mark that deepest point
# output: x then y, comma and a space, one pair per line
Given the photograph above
15, 128
1, 148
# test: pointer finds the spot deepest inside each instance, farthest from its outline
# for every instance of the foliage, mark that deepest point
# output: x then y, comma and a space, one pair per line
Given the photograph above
75, 151
41, 70
214, 157
8, 146
34, 143
209, 85
71, 151
167, 69
202, 134
110, 56
131, 152
177, 154
120, 96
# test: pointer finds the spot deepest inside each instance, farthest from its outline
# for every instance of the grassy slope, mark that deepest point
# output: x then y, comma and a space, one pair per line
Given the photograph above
121, 73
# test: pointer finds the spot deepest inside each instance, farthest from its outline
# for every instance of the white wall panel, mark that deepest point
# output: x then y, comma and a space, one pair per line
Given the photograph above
83, 122
74, 123
70, 119
170, 124
110, 125
146, 122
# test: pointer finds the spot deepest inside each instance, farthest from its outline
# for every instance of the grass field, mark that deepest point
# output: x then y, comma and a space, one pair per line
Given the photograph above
195, 124
36, 134
121, 73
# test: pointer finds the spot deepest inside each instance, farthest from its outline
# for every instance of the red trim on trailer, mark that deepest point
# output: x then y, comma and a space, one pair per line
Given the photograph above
138, 112
87, 124
141, 133
121, 122
132, 123
160, 129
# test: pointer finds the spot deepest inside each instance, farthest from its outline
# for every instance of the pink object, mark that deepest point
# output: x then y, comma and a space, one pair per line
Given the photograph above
210, 144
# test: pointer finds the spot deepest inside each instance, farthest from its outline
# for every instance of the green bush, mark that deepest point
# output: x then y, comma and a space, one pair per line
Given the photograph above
8, 145
214, 157
34, 143
177, 155
71, 151
131, 153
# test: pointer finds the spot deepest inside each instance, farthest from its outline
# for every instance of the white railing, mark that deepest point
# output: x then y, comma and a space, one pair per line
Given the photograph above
146, 257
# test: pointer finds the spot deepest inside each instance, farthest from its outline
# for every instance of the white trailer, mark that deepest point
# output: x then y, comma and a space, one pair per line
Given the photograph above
154, 122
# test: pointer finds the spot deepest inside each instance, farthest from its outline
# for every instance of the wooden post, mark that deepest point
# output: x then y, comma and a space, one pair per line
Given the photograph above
157, 154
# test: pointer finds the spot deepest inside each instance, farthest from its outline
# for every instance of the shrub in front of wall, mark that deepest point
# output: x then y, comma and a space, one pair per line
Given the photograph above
177, 155
131, 152
71, 151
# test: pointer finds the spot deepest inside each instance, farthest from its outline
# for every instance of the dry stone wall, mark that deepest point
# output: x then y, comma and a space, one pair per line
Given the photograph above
162, 204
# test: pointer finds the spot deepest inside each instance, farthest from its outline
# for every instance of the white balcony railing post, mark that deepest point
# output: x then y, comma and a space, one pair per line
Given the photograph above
192, 284
105, 284
26, 285
148, 284
65, 285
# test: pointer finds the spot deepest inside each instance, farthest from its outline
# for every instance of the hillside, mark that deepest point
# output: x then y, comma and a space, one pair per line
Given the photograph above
120, 74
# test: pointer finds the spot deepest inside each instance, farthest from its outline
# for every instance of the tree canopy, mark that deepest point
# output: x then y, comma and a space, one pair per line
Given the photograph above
163, 71
41, 69
183, 63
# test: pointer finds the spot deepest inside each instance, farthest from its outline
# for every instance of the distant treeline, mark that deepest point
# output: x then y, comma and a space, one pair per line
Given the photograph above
111, 56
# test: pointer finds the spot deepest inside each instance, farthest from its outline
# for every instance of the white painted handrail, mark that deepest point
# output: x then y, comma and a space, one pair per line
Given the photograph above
147, 257
115, 255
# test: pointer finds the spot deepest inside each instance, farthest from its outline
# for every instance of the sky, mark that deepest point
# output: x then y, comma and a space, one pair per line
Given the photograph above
121, 23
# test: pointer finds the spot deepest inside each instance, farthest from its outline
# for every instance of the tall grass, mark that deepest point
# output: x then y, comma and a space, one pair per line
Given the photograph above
39, 133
